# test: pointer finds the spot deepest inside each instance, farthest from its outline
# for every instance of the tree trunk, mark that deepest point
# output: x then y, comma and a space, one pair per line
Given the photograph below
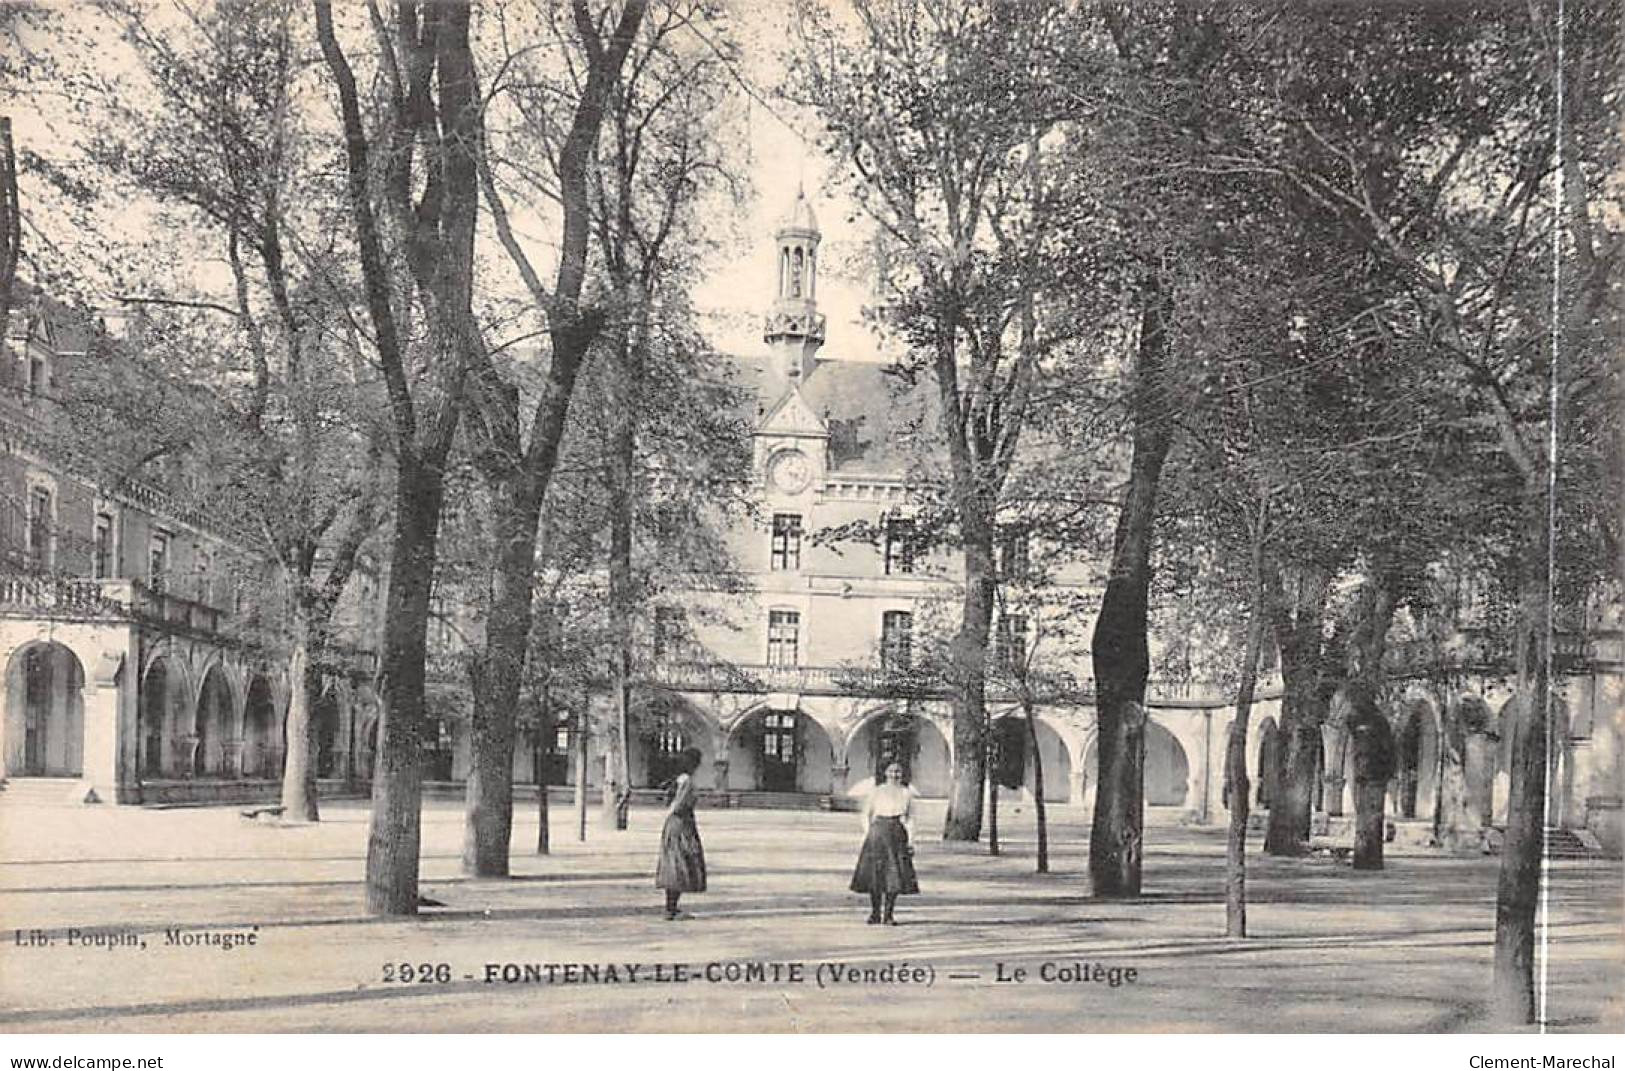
1237, 787
298, 767
1121, 656
395, 835
992, 809
969, 682
1375, 759
544, 763
1517, 894
1370, 823
1039, 813
572, 330
488, 817
1302, 646
1291, 809
10, 232
581, 772
623, 447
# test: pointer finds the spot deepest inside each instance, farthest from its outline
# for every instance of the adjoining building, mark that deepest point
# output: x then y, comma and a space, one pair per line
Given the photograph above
131, 671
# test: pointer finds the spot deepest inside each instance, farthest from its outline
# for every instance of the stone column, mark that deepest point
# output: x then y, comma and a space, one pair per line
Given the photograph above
99, 776
837, 776
719, 772
231, 755
1335, 781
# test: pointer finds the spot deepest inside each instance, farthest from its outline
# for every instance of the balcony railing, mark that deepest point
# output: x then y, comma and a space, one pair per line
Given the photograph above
1482, 650
878, 681
64, 597
76, 598
173, 610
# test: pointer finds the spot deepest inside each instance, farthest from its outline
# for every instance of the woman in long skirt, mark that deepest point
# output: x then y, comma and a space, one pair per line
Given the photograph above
885, 867
682, 856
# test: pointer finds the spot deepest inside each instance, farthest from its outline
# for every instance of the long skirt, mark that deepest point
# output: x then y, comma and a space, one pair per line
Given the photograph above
885, 864
682, 856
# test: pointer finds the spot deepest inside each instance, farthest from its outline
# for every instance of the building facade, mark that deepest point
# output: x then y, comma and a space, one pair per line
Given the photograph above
130, 674
794, 693
128, 678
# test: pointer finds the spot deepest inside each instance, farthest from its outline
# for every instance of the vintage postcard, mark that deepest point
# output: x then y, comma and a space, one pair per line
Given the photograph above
830, 516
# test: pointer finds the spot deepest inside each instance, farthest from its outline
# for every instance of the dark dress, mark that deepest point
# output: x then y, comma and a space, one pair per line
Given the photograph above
682, 856
885, 865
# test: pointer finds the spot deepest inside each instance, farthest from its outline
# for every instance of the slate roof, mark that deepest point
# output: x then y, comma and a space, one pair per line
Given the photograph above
876, 418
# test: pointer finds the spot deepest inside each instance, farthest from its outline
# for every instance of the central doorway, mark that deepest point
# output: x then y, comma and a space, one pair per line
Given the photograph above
779, 752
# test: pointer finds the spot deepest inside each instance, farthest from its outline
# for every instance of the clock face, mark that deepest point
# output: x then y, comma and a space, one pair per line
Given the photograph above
790, 472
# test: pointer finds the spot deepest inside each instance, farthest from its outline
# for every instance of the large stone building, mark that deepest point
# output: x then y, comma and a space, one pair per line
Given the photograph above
791, 694
131, 672
125, 676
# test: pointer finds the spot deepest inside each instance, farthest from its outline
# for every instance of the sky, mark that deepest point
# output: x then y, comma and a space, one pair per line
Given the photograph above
784, 157
781, 157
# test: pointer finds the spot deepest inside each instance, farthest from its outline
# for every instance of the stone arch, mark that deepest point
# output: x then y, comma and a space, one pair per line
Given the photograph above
164, 716
1167, 767
780, 751
1266, 775
211, 721
1417, 755
1011, 731
262, 731
44, 729
930, 766
662, 725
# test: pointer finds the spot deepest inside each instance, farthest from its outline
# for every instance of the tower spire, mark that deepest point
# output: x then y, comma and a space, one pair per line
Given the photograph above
794, 329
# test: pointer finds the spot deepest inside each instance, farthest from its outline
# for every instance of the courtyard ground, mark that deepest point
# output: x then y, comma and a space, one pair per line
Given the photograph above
122, 919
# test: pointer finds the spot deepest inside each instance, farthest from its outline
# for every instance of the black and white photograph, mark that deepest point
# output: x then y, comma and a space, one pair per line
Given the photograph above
653, 517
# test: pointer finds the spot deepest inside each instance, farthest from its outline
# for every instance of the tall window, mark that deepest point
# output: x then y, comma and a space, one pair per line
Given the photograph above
899, 546
896, 639
670, 627
36, 376
158, 560
102, 546
1010, 640
786, 541
783, 637
205, 579
39, 527
1013, 557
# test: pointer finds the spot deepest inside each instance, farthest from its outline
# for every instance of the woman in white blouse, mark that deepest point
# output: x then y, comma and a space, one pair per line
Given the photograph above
886, 865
